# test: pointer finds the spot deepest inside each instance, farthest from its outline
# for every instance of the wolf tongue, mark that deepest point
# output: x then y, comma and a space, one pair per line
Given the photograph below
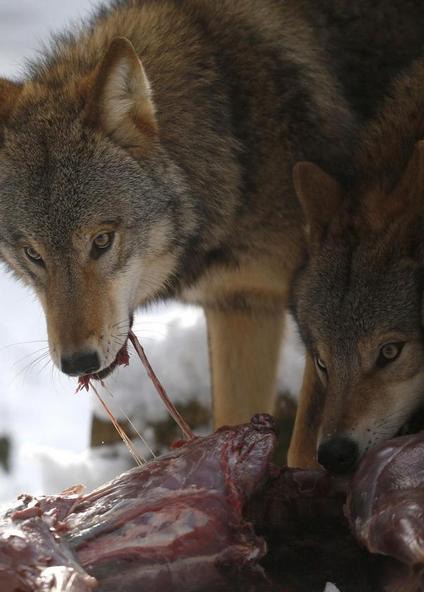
179, 420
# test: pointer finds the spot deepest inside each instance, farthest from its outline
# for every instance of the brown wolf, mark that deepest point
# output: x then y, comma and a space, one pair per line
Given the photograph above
148, 155
358, 298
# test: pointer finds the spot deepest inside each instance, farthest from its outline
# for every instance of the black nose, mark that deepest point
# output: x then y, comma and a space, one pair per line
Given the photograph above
338, 455
81, 363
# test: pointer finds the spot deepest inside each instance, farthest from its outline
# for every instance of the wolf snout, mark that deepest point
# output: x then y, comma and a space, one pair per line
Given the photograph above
85, 362
338, 455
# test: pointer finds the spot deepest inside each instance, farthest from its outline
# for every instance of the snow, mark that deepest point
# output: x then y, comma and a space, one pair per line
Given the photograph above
48, 423
331, 588
174, 339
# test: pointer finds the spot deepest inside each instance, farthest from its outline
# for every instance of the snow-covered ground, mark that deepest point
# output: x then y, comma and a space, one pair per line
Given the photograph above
48, 424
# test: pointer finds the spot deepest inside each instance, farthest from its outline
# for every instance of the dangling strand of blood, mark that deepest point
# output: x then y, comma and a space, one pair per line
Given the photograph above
179, 420
123, 360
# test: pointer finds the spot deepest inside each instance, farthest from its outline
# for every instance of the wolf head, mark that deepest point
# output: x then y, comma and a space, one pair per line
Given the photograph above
358, 301
88, 204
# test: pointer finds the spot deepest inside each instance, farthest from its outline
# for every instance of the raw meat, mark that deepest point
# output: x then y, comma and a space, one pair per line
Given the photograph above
385, 507
177, 523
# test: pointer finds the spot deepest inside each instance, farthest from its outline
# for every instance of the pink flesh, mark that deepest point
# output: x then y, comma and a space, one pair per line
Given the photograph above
176, 523
33, 557
386, 501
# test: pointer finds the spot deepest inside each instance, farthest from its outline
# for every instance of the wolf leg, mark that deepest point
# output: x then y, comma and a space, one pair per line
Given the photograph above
303, 446
244, 348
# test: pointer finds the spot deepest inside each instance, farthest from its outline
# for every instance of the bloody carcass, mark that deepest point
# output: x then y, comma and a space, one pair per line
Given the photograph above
175, 524
385, 507
214, 515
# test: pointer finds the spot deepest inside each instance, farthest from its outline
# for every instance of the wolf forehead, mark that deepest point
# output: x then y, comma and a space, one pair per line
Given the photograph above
58, 176
345, 292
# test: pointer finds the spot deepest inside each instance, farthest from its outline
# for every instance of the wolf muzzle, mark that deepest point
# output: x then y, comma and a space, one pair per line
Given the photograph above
338, 455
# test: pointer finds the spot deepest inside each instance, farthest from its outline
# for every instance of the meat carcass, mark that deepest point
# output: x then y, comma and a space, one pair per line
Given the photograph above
175, 524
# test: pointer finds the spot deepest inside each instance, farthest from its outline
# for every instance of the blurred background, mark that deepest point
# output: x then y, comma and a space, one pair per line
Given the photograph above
50, 437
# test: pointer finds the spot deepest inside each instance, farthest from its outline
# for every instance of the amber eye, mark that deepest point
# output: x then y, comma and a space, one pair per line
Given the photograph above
389, 352
103, 240
33, 255
320, 364
101, 244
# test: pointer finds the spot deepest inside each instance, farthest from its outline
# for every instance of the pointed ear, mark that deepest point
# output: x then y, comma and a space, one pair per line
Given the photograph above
320, 197
9, 93
120, 100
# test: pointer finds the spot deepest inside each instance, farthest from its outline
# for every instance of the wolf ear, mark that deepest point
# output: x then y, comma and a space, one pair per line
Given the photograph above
320, 197
9, 93
120, 100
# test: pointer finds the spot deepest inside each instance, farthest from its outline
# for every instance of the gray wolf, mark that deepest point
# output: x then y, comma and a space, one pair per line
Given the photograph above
147, 155
358, 296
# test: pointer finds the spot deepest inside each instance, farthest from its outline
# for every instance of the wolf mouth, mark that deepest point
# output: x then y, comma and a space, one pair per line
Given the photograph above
120, 360
414, 424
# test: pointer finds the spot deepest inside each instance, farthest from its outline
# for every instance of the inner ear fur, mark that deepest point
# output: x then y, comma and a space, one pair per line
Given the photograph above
320, 196
9, 93
120, 99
